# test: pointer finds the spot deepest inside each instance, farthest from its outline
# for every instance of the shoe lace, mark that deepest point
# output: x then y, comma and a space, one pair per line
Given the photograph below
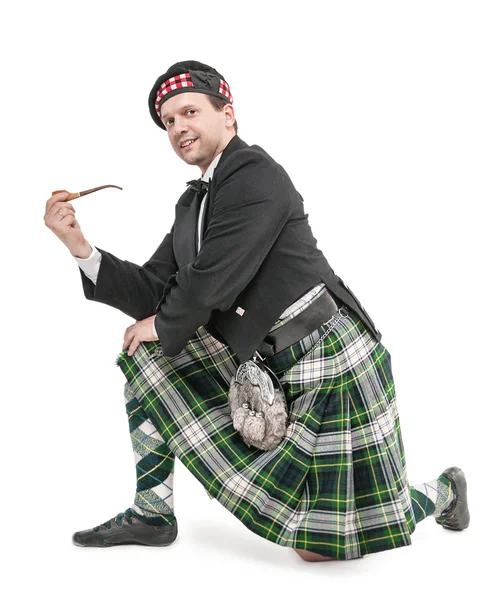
128, 515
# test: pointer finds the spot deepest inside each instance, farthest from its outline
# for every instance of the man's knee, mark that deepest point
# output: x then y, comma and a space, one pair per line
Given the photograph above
311, 556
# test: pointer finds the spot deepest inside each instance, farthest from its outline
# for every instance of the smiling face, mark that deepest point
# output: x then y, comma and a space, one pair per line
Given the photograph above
196, 130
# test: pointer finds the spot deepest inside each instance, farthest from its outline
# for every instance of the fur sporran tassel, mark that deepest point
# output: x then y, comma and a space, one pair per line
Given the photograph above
258, 410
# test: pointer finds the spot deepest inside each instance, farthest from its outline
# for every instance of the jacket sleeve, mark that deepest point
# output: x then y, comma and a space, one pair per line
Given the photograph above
250, 208
131, 288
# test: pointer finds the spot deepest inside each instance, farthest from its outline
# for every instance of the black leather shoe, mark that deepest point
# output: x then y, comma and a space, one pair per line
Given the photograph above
456, 516
126, 528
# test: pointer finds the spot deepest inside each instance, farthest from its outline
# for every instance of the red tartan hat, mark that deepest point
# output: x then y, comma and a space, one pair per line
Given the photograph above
186, 76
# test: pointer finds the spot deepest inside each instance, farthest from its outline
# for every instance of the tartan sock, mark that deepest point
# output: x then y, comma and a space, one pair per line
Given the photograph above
431, 498
154, 462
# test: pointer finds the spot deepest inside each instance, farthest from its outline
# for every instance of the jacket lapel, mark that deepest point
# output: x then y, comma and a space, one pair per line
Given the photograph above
184, 233
234, 144
184, 242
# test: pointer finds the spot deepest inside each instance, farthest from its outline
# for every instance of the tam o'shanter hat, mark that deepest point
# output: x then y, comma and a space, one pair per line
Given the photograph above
186, 76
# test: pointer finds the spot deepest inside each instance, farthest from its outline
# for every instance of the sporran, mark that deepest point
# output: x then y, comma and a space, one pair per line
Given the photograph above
259, 408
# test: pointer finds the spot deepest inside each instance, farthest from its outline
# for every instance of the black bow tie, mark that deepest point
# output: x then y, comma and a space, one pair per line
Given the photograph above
198, 185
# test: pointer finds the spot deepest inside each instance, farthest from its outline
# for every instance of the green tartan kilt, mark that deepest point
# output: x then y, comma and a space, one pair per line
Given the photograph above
337, 483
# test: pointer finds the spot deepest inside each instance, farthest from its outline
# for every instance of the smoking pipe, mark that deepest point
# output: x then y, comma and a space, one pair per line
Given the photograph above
72, 196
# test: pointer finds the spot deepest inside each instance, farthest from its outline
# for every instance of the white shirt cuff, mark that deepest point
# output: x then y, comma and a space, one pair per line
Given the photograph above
154, 328
91, 265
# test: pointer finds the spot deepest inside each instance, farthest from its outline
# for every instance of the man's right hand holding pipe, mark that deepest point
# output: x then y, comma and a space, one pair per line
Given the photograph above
60, 218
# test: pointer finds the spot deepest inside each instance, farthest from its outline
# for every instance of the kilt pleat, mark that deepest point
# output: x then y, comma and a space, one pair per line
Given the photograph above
337, 483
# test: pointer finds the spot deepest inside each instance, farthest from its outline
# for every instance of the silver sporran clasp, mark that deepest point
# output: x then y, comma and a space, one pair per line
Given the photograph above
256, 376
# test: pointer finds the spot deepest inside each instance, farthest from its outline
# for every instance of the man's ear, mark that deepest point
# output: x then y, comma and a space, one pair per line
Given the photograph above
229, 115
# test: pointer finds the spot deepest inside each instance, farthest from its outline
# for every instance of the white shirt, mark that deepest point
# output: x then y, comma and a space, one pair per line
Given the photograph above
91, 265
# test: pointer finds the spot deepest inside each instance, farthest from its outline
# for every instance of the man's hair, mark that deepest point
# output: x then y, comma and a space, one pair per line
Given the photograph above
218, 104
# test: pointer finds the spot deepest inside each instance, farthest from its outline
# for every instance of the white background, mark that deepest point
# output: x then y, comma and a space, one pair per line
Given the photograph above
384, 115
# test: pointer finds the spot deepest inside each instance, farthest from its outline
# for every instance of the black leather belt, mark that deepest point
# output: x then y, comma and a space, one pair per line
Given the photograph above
317, 313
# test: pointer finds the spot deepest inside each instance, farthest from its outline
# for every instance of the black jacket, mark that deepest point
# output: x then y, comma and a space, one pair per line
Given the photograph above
258, 256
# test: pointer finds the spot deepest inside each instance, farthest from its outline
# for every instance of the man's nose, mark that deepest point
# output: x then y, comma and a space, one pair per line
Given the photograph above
180, 126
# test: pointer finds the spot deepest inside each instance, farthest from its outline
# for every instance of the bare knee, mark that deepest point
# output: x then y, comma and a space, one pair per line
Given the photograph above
311, 556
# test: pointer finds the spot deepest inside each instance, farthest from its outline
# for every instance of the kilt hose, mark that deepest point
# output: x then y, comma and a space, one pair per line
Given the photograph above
154, 463
337, 483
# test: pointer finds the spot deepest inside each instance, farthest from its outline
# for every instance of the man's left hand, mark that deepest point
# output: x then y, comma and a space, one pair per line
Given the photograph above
141, 331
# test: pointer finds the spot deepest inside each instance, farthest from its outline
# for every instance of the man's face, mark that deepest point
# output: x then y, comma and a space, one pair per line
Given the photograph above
195, 129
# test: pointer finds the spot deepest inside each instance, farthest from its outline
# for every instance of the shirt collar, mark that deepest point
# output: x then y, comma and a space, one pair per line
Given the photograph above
210, 170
